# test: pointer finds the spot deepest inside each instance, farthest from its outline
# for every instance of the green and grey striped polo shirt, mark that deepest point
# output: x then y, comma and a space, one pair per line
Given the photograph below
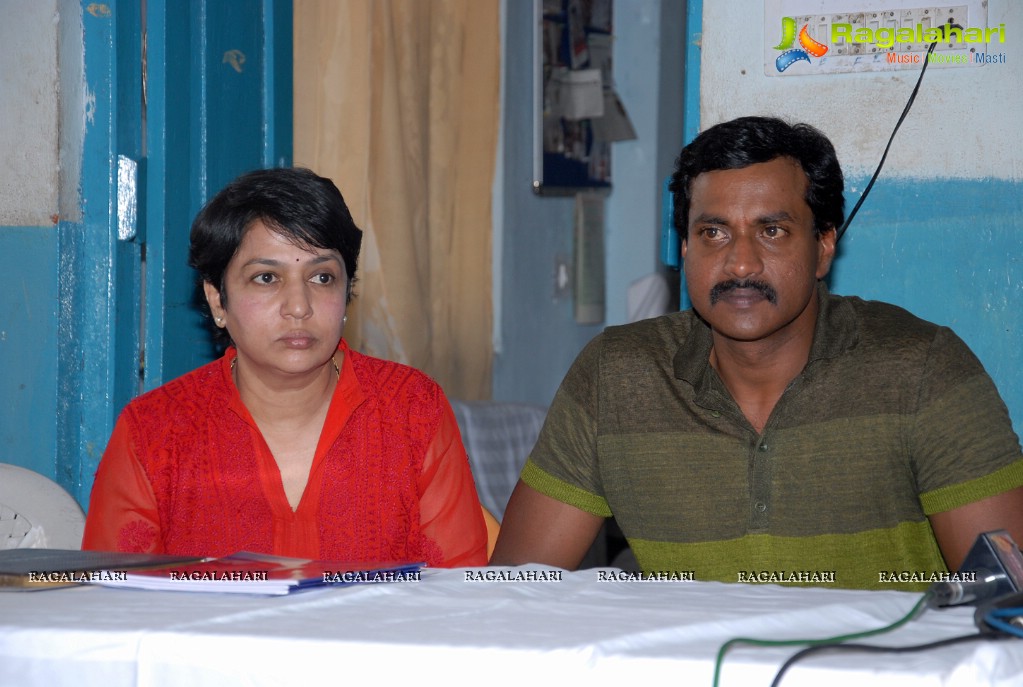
893, 418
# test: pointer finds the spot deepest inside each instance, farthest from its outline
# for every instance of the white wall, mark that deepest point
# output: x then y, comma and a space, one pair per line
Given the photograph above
967, 122
29, 112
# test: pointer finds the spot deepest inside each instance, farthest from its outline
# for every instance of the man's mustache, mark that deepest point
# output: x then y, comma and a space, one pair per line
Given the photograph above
724, 287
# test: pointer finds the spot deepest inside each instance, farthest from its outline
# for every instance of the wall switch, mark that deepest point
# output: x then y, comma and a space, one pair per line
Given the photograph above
562, 277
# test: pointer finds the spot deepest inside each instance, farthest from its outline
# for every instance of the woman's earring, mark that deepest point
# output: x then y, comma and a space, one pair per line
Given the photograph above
344, 320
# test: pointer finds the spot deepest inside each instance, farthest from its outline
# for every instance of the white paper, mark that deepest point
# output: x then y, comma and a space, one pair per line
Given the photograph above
647, 297
580, 94
615, 124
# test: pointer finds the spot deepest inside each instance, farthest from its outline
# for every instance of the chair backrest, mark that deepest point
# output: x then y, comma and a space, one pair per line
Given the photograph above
36, 512
498, 437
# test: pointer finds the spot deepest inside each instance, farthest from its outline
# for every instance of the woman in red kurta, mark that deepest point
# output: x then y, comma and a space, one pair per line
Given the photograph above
291, 443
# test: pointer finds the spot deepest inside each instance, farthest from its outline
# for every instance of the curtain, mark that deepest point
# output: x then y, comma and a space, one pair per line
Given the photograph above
397, 101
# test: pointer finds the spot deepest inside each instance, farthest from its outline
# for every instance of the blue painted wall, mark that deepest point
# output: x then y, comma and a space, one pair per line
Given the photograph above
28, 347
949, 251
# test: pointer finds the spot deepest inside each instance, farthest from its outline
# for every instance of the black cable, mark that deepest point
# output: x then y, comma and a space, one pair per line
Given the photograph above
880, 164
871, 648
919, 607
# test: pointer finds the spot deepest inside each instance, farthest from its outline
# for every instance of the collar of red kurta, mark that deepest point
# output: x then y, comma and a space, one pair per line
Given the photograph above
348, 394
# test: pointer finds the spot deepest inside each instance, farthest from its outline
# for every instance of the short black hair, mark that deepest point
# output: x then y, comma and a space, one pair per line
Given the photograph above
292, 201
751, 140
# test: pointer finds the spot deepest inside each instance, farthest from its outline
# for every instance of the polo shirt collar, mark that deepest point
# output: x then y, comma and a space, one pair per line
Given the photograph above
836, 331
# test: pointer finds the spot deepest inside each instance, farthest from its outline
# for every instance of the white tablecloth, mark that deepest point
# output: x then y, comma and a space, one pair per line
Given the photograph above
446, 629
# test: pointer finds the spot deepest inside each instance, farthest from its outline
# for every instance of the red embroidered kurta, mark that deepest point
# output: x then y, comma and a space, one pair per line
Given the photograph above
188, 472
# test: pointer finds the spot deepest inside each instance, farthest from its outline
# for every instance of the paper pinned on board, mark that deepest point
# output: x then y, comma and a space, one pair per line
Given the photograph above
580, 93
615, 124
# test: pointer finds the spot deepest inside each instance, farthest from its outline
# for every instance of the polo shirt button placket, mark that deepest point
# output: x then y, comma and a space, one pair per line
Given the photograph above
761, 481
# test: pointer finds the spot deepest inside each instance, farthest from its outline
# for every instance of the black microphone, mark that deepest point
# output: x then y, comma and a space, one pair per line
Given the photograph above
994, 567
953, 592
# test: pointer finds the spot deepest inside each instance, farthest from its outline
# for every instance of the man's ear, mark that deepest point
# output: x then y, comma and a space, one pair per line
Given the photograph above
213, 299
826, 246
684, 247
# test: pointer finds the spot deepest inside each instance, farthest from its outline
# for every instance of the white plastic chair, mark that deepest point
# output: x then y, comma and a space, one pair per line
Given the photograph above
36, 512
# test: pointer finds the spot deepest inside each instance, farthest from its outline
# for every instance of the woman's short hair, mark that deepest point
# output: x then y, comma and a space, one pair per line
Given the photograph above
747, 141
292, 201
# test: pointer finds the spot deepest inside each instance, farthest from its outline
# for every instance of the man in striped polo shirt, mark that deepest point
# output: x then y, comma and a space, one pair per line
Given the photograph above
774, 431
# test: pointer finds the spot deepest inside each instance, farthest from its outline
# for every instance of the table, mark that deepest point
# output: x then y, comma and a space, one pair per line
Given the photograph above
447, 629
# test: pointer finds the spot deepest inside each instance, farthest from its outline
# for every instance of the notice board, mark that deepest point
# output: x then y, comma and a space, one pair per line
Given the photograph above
577, 112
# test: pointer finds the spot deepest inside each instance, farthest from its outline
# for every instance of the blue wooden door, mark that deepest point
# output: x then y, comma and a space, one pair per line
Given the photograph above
181, 98
219, 93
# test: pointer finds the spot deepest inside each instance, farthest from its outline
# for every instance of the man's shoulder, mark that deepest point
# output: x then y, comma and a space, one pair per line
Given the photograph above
620, 354
891, 338
658, 335
886, 323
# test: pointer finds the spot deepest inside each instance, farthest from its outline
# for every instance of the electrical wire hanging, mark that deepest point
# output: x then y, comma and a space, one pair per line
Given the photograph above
905, 111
